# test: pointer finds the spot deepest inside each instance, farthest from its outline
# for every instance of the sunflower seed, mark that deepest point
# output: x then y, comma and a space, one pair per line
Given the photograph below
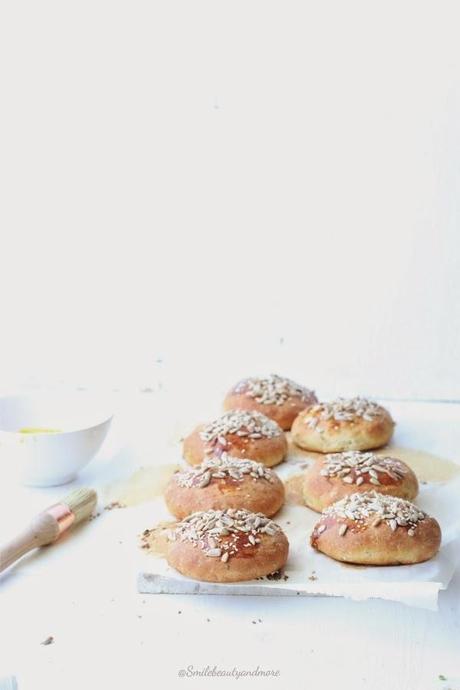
347, 410
214, 553
204, 481
373, 508
273, 390
221, 467
242, 423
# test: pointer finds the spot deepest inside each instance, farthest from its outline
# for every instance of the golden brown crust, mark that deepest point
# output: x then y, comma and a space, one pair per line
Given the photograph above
258, 496
321, 491
248, 564
274, 396
283, 415
375, 529
333, 436
268, 451
379, 545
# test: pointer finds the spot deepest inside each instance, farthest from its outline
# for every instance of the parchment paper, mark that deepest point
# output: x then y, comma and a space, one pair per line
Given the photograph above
311, 573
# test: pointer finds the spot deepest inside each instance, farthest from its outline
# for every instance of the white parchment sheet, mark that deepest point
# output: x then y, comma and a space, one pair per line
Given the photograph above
311, 573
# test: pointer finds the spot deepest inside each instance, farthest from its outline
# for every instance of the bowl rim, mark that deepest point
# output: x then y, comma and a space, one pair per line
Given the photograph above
104, 418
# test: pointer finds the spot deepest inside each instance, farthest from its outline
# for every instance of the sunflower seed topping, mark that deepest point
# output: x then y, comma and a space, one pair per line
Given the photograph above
242, 423
214, 553
371, 506
352, 465
220, 468
342, 529
222, 533
205, 478
344, 410
273, 390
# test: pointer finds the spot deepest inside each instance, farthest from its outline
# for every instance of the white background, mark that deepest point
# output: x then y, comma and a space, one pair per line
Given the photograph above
231, 187
195, 191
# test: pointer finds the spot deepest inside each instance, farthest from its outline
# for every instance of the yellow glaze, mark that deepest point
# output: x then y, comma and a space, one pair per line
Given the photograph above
38, 430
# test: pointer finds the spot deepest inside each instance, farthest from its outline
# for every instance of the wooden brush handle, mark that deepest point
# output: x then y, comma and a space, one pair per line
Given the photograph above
44, 529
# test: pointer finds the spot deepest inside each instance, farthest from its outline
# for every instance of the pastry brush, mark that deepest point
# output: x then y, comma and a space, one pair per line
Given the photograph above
48, 526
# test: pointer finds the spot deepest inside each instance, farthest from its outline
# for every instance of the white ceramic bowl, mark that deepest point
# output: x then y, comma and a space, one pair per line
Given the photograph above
50, 459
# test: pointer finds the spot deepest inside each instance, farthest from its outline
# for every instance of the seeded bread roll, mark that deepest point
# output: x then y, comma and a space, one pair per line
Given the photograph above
373, 529
276, 397
227, 546
225, 482
355, 424
338, 475
239, 433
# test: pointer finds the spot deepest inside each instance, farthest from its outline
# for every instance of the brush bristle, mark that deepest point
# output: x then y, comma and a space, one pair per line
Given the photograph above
81, 502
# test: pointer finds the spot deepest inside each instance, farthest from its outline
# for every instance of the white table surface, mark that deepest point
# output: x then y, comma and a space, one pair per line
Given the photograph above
106, 635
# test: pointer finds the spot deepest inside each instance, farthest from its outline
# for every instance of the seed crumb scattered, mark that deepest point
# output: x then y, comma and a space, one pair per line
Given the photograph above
49, 640
114, 505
